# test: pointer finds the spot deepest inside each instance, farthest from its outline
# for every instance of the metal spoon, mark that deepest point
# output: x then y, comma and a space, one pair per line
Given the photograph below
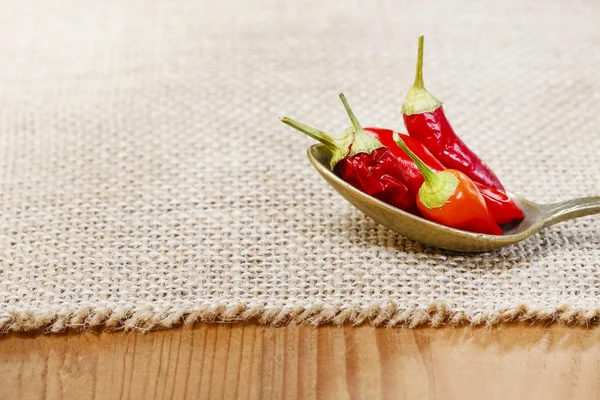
537, 216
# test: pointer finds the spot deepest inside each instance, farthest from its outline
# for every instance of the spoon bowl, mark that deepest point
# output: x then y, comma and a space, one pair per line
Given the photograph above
537, 216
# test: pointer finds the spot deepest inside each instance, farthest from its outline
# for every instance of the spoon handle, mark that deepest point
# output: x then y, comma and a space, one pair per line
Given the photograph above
563, 211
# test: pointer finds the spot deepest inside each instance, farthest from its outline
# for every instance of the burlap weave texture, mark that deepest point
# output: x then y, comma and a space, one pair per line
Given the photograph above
145, 178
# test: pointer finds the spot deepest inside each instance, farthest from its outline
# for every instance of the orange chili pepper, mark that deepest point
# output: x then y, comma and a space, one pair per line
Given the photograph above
503, 208
451, 198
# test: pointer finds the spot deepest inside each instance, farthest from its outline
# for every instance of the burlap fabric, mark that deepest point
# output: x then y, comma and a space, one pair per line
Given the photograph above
145, 178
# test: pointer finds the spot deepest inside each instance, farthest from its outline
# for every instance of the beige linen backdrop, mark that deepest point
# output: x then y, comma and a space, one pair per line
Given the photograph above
145, 178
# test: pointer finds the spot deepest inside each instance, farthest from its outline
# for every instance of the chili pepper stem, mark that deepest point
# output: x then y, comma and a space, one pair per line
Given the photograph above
438, 187
419, 84
354, 140
339, 146
418, 99
314, 133
428, 173
363, 142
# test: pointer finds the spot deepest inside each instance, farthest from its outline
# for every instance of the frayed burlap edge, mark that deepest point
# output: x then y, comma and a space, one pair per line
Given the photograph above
388, 315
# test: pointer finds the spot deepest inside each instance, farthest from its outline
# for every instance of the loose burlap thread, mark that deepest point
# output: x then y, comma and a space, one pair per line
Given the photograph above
145, 179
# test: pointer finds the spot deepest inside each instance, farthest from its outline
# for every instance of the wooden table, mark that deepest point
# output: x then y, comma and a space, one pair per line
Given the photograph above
248, 361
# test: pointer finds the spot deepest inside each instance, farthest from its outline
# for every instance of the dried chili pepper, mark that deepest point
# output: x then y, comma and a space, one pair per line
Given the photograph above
502, 207
425, 120
362, 161
451, 198
411, 172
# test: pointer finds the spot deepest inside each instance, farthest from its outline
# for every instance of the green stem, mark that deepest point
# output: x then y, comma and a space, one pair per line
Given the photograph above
353, 119
323, 137
363, 142
419, 75
430, 177
418, 99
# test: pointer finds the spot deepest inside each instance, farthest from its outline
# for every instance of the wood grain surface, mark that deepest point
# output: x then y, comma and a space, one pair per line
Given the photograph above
248, 361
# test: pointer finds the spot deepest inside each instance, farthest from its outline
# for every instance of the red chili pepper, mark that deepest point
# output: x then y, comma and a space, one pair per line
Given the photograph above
413, 176
451, 198
425, 120
362, 161
502, 207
